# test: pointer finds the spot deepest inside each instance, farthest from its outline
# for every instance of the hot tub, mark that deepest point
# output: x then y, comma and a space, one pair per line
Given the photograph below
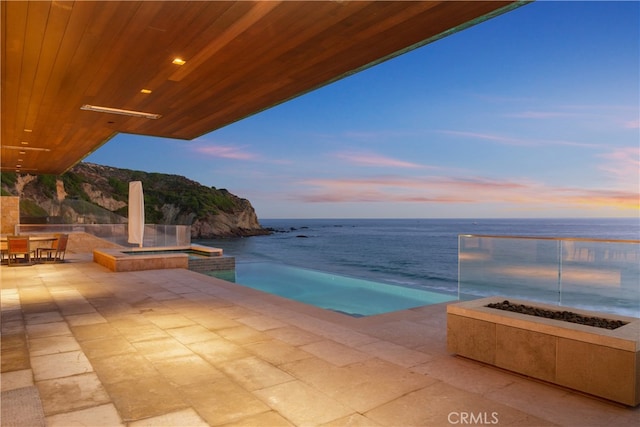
194, 257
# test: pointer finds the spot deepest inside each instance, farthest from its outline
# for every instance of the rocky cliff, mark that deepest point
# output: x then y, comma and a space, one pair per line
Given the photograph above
90, 193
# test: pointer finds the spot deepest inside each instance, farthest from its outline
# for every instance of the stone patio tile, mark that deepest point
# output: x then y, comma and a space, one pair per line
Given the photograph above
41, 307
185, 418
112, 308
217, 351
180, 288
529, 396
32, 295
16, 379
406, 333
442, 404
395, 353
130, 321
466, 374
66, 394
214, 321
161, 348
222, 401
348, 337
338, 354
52, 345
85, 319
294, 335
192, 333
144, 397
142, 333
277, 352
363, 385
243, 335
74, 308
94, 331
262, 323
105, 347
163, 295
265, 419
97, 416
166, 321
60, 365
187, 370
14, 353
353, 420
122, 367
11, 328
234, 311
46, 317
40, 330
302, 404
253, 373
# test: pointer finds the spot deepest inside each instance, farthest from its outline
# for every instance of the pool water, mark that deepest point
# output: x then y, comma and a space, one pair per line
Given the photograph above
348, 295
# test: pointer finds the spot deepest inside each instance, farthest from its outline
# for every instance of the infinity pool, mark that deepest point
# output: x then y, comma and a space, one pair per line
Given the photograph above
355, 297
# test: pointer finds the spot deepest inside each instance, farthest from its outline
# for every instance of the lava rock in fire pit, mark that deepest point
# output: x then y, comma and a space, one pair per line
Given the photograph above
566, 316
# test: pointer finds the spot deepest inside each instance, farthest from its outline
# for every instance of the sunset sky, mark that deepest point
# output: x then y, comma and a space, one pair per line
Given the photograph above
534, 113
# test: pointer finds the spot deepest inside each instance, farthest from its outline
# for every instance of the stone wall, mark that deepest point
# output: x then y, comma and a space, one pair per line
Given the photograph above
10, 214
204, 264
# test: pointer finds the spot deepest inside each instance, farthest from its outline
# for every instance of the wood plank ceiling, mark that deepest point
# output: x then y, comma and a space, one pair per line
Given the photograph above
241, 57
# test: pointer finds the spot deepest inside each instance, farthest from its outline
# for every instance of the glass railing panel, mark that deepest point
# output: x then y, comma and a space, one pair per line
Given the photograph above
592, 274
525, 269
156, 235
601, 274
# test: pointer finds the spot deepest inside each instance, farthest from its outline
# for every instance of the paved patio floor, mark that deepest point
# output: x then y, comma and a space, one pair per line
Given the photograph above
178, 348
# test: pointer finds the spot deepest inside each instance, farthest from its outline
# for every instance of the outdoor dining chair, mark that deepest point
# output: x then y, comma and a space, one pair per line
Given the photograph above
56, 252
18, 250
3, 251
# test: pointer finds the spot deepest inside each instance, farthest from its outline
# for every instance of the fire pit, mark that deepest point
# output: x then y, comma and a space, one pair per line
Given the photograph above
506, 333
565, 316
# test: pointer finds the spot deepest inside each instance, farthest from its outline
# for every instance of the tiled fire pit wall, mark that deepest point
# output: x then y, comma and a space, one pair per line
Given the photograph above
210, 259
597, 361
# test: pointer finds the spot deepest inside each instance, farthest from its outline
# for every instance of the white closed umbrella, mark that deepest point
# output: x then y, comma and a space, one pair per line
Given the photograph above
136, 213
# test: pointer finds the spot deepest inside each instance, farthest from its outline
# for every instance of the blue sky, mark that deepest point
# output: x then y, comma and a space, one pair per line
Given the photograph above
534, 113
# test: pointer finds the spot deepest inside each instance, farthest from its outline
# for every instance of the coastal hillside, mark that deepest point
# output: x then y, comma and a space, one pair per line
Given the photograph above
96, 194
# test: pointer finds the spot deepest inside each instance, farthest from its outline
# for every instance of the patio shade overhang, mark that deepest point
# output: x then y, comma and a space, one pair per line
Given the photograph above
74, 74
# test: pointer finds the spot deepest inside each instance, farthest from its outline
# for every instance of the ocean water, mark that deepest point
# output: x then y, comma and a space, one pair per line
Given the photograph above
421, 253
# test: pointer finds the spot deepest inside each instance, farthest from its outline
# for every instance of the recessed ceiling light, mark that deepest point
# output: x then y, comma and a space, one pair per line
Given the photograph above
24, 143
145, 91
120, 111
23, 152
28, 130
21, 160
179, 61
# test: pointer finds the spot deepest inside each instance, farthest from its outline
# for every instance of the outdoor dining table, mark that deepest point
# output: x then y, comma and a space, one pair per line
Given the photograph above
35, 242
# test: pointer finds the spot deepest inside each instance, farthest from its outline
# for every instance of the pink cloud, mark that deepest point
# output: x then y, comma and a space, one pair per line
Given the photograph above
542, 115
467, 191
488, 137
623, 165
500, 139
632, 124
226, 152
370, 159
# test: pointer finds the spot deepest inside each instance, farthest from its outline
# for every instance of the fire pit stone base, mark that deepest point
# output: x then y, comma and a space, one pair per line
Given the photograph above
597, 361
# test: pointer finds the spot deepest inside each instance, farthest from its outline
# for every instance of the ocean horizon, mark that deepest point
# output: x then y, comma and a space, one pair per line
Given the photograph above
411, 252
